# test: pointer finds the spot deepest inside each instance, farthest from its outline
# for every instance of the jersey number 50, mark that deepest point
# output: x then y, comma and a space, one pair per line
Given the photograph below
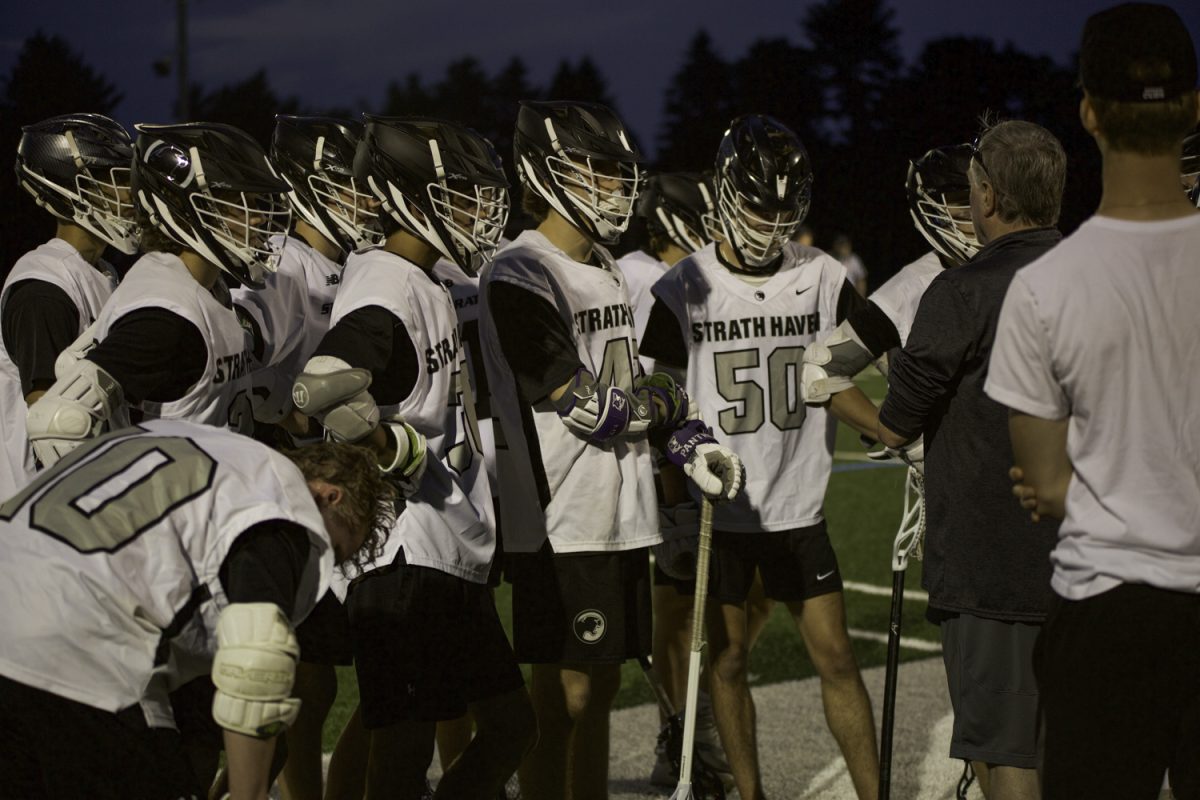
782, 395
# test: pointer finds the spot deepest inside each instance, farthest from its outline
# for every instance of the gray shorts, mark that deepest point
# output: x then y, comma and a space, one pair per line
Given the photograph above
989, 669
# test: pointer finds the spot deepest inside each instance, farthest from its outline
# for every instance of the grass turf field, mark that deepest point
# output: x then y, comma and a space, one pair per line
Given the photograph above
862, 506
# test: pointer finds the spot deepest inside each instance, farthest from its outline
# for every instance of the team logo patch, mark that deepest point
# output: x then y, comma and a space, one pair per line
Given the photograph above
300, 396
590, 626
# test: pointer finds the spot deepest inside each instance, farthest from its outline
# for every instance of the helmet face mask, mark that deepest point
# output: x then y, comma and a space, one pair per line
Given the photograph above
675, 206
764, 188
440, 181
77, 167
939, 200
212, 189
315, 155
579, 159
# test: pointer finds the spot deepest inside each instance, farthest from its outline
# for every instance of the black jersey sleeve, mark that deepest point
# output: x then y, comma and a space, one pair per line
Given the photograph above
153, 354
849, 301
375, 339
39, 321
266, 564
663, 340
875, 328
536, 342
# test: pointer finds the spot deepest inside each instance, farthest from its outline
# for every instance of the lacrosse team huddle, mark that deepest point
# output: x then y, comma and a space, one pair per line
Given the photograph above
330, 408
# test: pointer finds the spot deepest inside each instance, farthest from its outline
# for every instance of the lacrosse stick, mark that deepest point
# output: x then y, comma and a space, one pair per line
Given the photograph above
908, 541
683, 791
707, 785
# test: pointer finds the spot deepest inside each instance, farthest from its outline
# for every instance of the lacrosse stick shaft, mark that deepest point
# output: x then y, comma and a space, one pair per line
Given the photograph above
683, 790
660, 692
889, 687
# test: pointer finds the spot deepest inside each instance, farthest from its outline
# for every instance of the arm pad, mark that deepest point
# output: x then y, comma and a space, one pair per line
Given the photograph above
831, 364
336, 394
84, 402
598, 412
254, 669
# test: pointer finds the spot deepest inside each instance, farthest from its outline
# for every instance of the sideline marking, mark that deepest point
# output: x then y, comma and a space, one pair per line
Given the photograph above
883, 591
923, 645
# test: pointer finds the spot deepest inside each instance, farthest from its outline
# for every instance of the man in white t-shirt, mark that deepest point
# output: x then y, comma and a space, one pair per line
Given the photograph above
1095, 357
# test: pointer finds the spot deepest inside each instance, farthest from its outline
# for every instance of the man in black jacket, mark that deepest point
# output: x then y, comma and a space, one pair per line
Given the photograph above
987, 567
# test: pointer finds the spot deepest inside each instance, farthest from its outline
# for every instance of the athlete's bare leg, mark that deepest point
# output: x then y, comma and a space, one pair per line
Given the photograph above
347, 778
570, 759
758, 610
822, 624
1012, 783
453, 736
316, 686
505, 730
672, 640
732, 703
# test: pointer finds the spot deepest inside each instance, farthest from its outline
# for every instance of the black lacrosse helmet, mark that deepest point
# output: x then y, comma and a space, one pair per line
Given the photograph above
674, 205
939, 199
439, 180
76, 166
565, 150
212, 189
763, 186
315, 155
1189, 170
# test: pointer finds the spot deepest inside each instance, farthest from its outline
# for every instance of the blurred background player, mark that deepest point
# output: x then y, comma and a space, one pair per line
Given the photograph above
76, 167
287, 318
428, 643
128, 591
937, 190
738, 315
168, 342
1189, 169
577, 494
843, 251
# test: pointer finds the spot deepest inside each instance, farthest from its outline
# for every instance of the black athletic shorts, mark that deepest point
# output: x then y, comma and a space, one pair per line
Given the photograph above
57, 749
1119, 674
989, 671
795, 564
580, 608
324, 635
426, 644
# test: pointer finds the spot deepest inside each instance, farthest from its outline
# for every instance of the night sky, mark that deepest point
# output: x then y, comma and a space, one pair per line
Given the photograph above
344, 53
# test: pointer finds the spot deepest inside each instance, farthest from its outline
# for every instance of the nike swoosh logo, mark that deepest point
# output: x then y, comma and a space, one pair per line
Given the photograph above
802, 291
826, 575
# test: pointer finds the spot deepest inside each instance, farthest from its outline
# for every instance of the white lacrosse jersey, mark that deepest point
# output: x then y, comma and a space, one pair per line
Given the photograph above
745, 345
88, 287
600, 497
222, 395
292, 312
109, 561
446, 525
464, 291
900, 296
641, 271
1102, 331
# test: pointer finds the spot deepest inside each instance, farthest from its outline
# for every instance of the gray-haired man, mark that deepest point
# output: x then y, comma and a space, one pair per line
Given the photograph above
986, 565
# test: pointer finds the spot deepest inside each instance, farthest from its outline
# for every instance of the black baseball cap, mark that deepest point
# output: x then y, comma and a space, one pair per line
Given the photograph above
1137, 53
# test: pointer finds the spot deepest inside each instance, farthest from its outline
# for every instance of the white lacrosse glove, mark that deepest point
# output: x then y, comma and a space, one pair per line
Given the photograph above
912, 454
336, 394
714, 468
408, 467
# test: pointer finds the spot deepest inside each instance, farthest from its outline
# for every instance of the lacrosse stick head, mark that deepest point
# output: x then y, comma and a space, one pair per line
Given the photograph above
911, 535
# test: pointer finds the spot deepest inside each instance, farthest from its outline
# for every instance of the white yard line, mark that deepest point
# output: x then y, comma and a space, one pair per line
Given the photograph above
923, 645
883, 591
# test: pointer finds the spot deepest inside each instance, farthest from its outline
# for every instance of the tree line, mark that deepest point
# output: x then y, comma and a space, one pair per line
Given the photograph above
842, 85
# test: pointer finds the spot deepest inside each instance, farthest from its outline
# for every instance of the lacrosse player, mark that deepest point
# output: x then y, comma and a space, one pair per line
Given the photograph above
153, 555
77, 168
738, 315
1104, 425
577, 497
428, 644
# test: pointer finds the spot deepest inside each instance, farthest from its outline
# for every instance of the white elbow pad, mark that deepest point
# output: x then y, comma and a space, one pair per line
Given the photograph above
76, 350
254, 669
829, 366
336, 394
84, 402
